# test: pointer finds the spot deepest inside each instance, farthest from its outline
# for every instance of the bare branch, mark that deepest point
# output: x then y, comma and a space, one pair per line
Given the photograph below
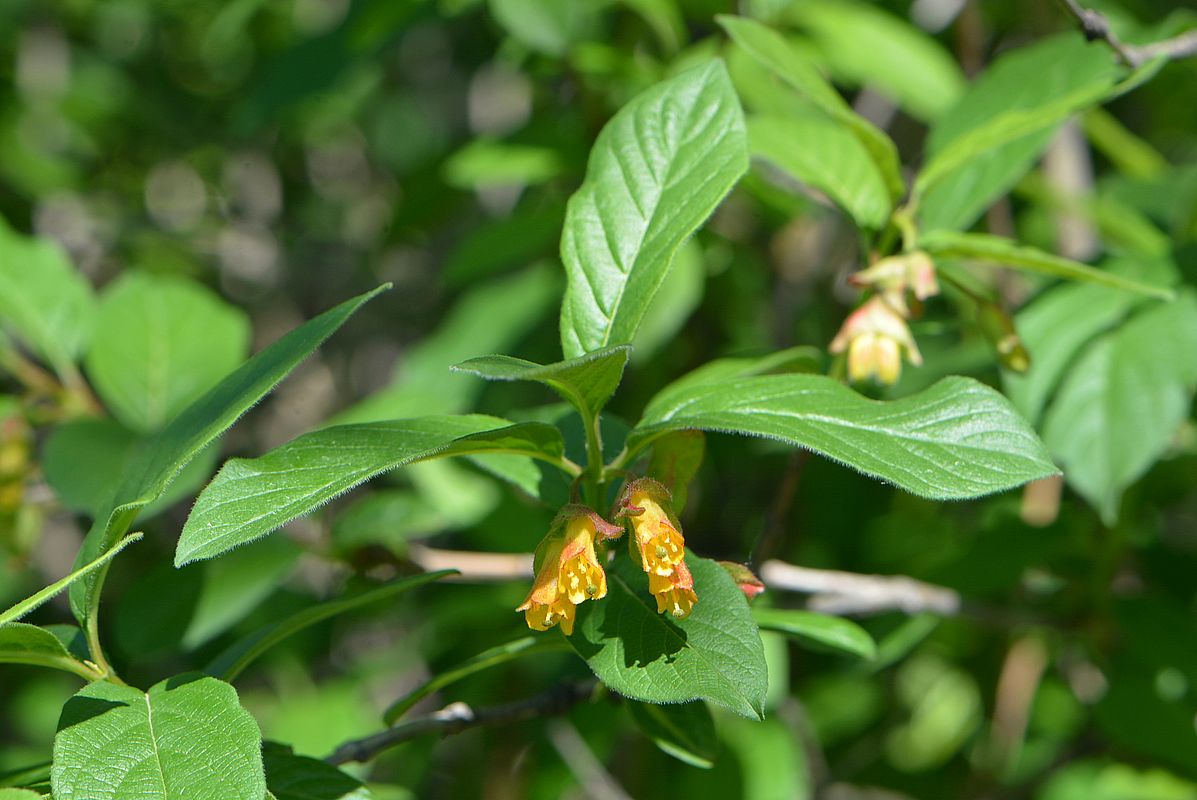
845, 593
458, 717
1096, 27
474, 567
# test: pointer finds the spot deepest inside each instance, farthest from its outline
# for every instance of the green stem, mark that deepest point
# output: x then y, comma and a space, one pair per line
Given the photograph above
106, 672
592, 476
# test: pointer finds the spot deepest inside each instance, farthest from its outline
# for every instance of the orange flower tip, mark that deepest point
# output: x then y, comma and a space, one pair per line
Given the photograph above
678, 602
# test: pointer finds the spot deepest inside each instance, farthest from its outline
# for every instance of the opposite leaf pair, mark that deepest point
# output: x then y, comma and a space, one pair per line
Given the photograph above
569, 572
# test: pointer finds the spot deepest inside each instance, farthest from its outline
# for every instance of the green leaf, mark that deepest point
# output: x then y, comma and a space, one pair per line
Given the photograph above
980, 147
794, 68
160, 343
675, 460
250, 498
792, 359
483, 163
30, 603
187, 738
820, 152
501, 654
587, 381
1118, 409
161, 458
546, 26
685, 731
955, 440
29, 644
823, 631
676, 301
27, 776
292, 777
236, 584
489, 319
233, 661
43, 300
986, 248
84, 459
866, 46
1004, 129
714, 654
1054, 328
20, 794
772, 759
657, 171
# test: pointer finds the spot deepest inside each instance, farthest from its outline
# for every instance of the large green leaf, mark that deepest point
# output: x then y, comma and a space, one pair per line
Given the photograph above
233, 661
161, 458
587, 381
160, 343
820, 152
1054, 328
187, 738
657, 171
866, 46
1120, 406
714, 654
29, 644
43, 300
980, 147
794, 68
249, 498
999, 250
823, 631
957, 439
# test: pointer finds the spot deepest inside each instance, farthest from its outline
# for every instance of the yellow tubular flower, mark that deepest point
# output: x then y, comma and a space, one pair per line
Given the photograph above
567, 569
658, 542
876, 337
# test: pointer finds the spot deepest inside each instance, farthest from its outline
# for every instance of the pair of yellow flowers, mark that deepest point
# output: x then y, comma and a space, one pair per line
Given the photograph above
568, 572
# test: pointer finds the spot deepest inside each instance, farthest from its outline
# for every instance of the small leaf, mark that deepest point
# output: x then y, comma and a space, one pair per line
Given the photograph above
657, 171
43, 300
675, 460
233, 661
293, 777
955, 440
501, 654
823, 631
20, 794
822, 153
187, 738
1054, 328
986, 248
30, 603
160, 459
29, 644
714, 654
160, 343
685, 731
779, 56
1123, 401
483, 163
587, 382
250, 498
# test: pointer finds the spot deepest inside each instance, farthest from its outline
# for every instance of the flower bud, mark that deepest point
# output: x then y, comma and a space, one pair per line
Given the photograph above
876, 337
